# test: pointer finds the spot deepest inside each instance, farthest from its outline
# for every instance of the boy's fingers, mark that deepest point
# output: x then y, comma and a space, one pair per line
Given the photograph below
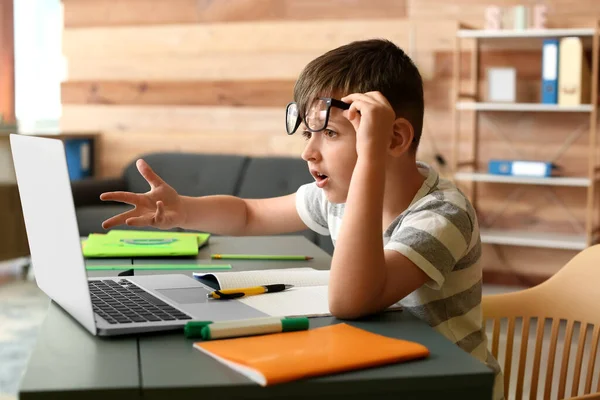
356, 107
145, 220
123, 197
355, 97
353, 111
379, 97
149, 175
160, 211
118, 219
371, 98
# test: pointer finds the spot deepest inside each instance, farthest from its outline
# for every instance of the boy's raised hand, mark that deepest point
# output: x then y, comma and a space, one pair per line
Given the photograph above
373, 119
161, 207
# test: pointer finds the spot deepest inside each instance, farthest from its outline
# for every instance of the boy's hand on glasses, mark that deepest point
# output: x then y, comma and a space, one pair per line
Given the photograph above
373, 119
161, 207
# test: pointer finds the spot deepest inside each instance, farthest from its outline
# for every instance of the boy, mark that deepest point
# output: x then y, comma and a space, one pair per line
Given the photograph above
406, 235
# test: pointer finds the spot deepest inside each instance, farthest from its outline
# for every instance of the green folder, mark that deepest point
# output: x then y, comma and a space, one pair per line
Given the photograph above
201, 237
104, 246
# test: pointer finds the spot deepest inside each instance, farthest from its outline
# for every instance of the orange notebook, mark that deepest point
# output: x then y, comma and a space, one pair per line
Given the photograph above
283, 357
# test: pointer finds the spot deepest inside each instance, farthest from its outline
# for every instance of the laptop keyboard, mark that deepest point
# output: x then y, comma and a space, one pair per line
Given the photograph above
124, 302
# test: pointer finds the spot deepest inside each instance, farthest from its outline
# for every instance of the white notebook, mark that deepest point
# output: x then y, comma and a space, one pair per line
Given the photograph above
308, 297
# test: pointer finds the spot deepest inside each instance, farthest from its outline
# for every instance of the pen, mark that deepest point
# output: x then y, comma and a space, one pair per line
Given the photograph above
258, 257
208, 330
228, 294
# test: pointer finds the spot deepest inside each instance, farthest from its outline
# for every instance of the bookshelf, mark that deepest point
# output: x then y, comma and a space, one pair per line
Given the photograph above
466, 169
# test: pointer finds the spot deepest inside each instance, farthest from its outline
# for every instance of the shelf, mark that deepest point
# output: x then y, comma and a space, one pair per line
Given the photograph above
470, 105
526, 33
552, 181
532, 239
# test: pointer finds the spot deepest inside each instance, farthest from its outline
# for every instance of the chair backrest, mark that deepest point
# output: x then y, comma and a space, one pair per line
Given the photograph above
191, 174
570, 297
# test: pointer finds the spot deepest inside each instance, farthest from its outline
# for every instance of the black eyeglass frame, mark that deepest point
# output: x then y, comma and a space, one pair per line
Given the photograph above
329, 102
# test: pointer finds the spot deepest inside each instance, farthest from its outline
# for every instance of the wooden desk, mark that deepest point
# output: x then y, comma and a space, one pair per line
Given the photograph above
70, 363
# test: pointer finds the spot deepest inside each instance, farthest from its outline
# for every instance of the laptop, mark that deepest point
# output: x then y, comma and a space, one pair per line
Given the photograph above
109, 305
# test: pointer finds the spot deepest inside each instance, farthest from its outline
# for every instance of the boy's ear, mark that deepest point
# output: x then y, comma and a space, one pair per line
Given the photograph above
402, 137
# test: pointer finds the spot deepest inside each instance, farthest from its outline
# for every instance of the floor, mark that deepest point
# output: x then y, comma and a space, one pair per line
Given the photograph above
22, 309
23, 306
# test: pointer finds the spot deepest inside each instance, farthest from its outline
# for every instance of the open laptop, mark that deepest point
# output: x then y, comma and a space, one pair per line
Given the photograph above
104, 306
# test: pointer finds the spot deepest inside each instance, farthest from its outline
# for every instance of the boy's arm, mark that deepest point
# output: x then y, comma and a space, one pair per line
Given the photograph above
234, 216
364, 278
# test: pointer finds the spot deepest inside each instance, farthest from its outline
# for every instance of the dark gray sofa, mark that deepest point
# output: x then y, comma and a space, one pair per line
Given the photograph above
193, 174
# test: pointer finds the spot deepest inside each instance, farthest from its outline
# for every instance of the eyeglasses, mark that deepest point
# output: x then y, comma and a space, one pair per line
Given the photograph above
316, 118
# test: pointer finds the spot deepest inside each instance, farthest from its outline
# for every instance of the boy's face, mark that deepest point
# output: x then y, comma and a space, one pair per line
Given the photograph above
331, 155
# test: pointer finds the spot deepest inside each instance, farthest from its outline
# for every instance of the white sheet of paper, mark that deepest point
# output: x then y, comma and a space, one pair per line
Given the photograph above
291, 276
310, 301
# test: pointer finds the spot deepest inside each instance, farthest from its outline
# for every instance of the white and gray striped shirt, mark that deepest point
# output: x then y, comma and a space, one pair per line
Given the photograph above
438, 232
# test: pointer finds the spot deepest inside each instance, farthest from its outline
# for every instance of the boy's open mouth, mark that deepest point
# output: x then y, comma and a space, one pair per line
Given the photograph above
320, 178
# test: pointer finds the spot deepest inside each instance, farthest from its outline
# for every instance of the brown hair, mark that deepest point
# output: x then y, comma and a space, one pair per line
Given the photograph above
364, 66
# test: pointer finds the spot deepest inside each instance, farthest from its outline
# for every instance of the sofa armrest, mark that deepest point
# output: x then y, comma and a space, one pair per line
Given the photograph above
87, 192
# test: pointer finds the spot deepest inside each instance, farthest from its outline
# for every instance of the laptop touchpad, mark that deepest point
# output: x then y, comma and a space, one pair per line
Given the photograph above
186, 295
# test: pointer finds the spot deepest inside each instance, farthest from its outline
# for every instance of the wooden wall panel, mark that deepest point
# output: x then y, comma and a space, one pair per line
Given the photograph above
175, 118
234, 67
159, 12
209, 39
128, 146
214, 76
255, 93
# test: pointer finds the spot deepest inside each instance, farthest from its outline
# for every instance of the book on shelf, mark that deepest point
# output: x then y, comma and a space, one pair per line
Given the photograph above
523, 168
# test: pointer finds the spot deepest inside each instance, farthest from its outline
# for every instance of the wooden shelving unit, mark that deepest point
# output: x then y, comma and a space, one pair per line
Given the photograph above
526, 238
466, 32
533, 107
552, 181
466, 169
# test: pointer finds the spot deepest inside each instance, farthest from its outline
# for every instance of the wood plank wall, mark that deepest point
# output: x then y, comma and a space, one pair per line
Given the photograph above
214, 76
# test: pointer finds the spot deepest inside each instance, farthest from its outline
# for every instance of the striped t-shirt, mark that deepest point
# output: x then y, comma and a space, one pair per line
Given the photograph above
438, 232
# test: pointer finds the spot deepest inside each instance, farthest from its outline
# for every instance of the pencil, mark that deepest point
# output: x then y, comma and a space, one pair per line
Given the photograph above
258, 257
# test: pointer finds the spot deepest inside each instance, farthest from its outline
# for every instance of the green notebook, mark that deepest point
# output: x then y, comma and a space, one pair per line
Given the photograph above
104, 246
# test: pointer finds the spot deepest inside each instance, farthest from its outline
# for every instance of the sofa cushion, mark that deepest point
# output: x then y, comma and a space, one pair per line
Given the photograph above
279, 176
273, 176
190, 174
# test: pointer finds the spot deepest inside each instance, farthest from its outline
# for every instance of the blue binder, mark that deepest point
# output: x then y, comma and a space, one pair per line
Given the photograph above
79, 163
540, 169
550, 71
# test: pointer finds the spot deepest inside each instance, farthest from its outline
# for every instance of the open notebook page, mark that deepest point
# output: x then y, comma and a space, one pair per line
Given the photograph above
292, 276
310, 301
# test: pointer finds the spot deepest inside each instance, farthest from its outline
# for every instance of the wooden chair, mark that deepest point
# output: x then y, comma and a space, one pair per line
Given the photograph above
571, 295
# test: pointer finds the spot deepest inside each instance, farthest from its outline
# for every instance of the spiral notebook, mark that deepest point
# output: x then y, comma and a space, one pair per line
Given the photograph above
308, 297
